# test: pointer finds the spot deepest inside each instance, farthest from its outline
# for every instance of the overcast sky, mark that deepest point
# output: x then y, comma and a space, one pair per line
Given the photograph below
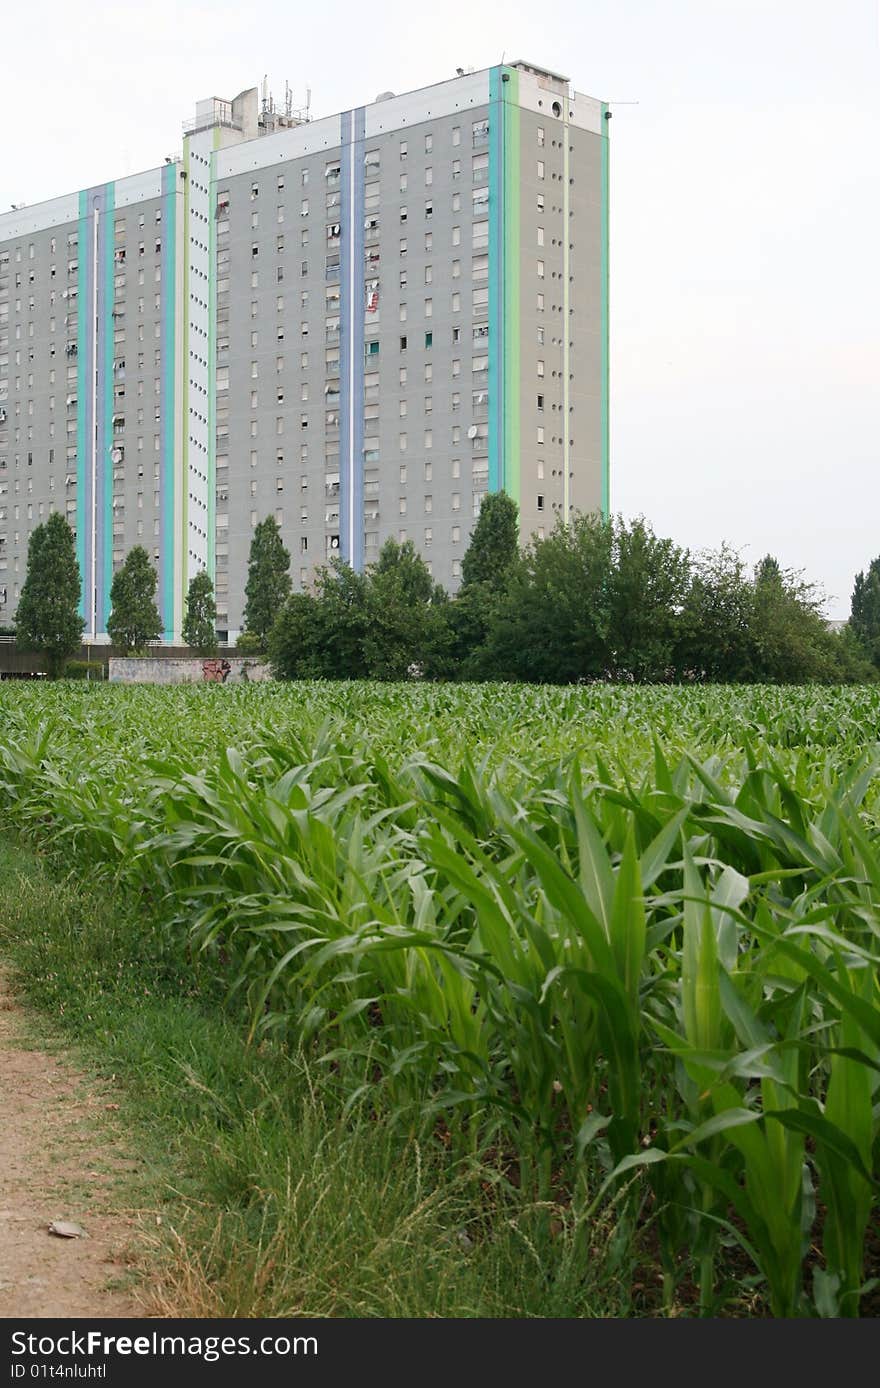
745, 211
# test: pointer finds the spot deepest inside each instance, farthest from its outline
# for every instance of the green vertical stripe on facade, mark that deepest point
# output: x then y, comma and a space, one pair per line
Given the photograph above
169, 295
105, 464
184, 388
212, 367
566, 319
496, 280
504, 282
605, 347
82, 336
511, 331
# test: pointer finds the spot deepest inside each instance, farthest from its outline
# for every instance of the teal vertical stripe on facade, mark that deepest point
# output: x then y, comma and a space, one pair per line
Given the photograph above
496, 282
106, 435
212, 380
83, 411
511, 338
169, 403
604, 328
504, 281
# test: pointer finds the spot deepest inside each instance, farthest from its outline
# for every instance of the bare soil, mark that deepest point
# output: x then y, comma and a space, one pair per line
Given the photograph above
60, 1159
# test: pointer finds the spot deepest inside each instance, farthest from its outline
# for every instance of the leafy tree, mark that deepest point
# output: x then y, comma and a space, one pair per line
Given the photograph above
768, 572
553, 621
320, 635
248, 643
407, 624
200, 622
295, 645
864, 622
47, 618
268, 581
648, 585
716, 622
791, 642
494, 543
341, 597
134, 617
489, 561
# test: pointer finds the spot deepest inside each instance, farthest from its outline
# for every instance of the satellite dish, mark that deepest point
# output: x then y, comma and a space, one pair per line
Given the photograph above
472, 431
117, 455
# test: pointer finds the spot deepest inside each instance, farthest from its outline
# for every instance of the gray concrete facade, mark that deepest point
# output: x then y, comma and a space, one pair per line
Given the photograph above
359, 325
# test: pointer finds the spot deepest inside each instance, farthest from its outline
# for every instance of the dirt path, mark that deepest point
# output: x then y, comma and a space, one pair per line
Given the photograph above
58, 1161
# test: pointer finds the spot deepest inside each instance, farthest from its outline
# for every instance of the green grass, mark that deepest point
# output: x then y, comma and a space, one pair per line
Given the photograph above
275, 1204
611, 952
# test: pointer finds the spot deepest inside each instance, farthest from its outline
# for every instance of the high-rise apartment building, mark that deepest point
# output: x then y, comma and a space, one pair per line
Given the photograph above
359, 324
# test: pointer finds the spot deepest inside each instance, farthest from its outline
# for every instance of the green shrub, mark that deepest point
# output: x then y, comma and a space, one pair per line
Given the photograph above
85, 670
249, 643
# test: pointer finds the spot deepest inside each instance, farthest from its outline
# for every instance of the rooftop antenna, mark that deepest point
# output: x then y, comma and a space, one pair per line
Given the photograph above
288, 99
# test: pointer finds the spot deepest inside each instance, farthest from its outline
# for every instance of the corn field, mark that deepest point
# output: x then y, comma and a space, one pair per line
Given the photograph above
622, 943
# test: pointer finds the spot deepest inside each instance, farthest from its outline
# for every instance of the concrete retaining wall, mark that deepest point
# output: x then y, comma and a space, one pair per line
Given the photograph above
233, 669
